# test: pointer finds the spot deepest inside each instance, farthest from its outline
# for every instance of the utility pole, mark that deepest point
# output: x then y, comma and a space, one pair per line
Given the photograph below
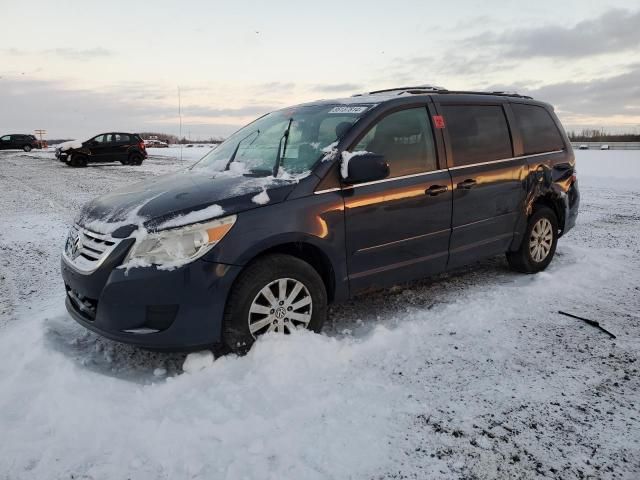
180, 116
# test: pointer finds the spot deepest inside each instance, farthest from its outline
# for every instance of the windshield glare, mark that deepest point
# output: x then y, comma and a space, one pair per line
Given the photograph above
313, 128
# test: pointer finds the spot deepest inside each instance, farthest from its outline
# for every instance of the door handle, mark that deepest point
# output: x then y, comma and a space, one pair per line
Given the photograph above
467, 184
434, 190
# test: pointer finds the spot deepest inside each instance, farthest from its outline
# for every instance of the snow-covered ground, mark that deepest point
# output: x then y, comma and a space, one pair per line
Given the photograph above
469, 375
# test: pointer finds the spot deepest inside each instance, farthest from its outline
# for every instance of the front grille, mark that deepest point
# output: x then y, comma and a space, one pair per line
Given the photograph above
86, 250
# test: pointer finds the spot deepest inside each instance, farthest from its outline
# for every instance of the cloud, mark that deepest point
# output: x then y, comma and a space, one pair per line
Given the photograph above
579, 102
65, 53
614, 31
79, 113
241, 112
337, 87
80, 54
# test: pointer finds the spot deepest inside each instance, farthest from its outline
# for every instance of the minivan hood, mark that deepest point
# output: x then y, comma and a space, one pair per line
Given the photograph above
151, 203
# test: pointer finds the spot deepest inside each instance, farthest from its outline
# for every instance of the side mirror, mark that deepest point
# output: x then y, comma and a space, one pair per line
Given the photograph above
359, 167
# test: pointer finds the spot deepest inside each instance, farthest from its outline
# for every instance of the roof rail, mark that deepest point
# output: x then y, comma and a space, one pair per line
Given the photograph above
421, 89
501, 93
414, 90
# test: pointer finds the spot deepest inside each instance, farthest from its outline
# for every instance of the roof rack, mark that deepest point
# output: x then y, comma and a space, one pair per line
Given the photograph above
497, 92
413, 90
421, 89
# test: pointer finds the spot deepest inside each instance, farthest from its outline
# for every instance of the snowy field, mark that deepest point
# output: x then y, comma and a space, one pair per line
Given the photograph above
469, 375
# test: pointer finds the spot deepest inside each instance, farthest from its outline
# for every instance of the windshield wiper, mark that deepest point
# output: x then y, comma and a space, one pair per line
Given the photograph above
281, 152
235, 151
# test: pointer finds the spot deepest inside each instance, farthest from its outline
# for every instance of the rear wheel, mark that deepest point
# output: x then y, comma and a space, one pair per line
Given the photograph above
539, 244
27, 148
134, 159
276, 294
78, 160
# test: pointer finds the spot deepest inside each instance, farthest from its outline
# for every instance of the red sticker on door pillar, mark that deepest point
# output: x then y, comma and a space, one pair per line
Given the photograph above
438, 121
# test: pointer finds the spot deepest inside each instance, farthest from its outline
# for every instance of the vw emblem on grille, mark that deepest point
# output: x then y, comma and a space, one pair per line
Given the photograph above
74, 244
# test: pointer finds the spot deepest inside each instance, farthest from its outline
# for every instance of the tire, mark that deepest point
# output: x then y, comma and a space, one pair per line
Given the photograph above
78, 160
248, 304
134, 159
538, 244
27, 148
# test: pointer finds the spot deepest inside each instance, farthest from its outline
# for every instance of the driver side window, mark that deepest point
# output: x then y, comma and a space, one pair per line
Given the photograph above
406, 141
99, 139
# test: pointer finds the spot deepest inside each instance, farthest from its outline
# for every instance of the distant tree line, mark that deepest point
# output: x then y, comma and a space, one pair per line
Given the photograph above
165, 137
599, 135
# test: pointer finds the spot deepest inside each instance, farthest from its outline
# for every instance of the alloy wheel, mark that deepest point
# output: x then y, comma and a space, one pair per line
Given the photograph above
281, 306
540, 240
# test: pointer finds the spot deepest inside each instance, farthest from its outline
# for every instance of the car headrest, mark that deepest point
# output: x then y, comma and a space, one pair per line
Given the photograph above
342, 128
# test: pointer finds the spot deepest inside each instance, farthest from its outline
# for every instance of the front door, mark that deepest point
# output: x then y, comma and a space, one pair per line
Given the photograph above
98, 147
5, 142
397, 229
488, 183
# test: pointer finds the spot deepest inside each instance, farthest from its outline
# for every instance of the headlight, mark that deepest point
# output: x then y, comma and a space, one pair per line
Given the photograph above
179, 246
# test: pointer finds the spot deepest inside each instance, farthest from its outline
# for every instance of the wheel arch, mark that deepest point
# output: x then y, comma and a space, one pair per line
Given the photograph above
309, 253
555, 203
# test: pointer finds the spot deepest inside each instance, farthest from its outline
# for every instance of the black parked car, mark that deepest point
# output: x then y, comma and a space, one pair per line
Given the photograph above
127, 148
19, 142
316, 203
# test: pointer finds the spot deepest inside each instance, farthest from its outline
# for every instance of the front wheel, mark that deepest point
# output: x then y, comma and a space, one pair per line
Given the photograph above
539, 243
275, 294
78, 160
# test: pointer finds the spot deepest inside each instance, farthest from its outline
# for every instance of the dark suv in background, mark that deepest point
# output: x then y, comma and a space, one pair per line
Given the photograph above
127, 148
316, 203
19, 142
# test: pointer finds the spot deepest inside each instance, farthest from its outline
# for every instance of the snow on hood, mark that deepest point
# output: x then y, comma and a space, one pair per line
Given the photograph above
262, 198
179, 199
69, 145
197, 216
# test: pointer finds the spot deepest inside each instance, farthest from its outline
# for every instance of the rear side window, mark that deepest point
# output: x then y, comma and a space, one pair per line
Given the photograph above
538, 130
121, 137
477, 133
406, 141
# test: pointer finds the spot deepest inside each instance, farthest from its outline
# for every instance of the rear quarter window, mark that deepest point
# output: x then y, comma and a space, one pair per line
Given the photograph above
477, 133
538, 130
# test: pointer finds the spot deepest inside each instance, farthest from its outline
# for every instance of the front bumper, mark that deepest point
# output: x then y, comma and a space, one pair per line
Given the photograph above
173, 310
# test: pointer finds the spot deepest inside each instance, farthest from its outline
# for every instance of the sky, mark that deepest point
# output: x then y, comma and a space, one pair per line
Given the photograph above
77, 68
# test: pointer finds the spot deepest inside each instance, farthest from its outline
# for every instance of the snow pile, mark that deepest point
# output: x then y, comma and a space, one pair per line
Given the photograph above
197, 361
262, 198
64, 146
197, 216
346, 156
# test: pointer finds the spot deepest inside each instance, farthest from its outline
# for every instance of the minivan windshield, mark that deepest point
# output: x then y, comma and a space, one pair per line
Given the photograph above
292, 139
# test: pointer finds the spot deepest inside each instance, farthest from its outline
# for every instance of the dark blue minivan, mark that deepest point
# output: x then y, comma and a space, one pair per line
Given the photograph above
315, 203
